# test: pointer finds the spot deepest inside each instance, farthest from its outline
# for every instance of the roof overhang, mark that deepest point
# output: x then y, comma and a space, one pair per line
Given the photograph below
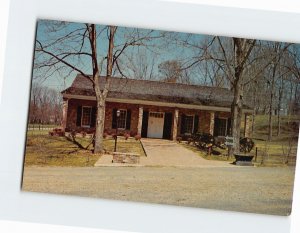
155, 103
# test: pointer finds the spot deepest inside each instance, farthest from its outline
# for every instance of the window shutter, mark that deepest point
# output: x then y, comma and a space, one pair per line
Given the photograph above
216, 127
94, 116
167, 125
128, 119
114, 119
79, 112
196, 124
145, 124
182, 126
229, 126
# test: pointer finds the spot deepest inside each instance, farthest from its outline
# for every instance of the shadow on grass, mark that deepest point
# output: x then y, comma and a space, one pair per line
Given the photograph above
77, 143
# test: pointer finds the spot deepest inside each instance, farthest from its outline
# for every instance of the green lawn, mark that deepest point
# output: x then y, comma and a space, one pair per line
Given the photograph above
45, 150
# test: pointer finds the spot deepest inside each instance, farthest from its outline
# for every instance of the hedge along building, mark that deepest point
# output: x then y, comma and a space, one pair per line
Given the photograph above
151, 109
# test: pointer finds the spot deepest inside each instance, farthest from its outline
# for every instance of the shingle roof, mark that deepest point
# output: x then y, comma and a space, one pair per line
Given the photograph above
123, 88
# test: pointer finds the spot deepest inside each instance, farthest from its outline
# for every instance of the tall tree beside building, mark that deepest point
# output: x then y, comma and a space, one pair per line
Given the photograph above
70, 47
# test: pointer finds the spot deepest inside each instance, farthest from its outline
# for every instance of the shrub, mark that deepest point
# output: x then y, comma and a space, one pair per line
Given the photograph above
132, 133
246, 144
137, 137
179, 139
73, 134
190, 140
126, 136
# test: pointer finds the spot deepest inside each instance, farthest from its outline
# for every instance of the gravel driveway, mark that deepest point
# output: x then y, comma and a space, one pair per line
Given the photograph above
250, 189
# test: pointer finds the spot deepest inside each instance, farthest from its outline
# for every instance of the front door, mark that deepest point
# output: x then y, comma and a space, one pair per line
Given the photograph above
155, 125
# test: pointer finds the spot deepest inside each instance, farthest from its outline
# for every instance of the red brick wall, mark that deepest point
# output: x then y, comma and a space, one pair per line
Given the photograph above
223, 114
72, 111
204, 116
204, 122
134, 116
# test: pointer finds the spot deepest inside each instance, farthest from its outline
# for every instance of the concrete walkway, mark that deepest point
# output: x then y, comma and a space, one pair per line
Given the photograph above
165, 153
169, 153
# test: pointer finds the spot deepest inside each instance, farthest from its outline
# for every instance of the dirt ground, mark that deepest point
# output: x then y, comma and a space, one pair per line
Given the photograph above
266, 190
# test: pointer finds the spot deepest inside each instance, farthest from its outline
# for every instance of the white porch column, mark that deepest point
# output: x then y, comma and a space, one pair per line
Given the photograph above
212, 123
65, 113
247, 126
140, 121
175, 124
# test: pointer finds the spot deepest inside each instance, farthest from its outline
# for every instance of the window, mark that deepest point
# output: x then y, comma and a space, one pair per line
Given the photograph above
86, 116
222, 127
189, 124
121, 120
157, 114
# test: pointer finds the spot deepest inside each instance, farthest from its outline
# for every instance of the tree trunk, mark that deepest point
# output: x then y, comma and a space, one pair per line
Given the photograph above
236, 116
98, 148
101, 95
270, 122
98, 144
254, 110
242, 50
270, 134
253, 122
279, 108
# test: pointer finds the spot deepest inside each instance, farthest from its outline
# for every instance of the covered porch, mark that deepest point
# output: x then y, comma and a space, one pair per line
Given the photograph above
151, 120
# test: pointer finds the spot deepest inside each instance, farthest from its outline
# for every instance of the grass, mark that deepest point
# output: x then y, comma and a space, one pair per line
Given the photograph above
289, 128
45, 150
275, 153
42, 126
222, 157
278, 152
281, 148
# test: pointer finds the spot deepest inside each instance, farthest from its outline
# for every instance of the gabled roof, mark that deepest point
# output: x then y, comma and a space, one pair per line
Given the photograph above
123, 88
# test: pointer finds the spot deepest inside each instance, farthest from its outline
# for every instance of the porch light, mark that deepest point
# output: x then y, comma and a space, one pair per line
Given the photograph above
118, 113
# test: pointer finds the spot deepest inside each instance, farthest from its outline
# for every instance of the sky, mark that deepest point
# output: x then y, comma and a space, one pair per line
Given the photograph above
150, 53
157, 46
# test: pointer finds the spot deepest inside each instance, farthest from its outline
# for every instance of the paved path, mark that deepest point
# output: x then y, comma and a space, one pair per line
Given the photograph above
165, 153
169, 153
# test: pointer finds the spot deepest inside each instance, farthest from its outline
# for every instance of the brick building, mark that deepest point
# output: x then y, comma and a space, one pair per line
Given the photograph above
151, 108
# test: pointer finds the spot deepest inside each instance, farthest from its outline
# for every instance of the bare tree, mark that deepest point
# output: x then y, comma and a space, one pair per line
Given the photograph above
139, 64
173, 71
45, 105
63, 57
76, 47
34, 109
243, 62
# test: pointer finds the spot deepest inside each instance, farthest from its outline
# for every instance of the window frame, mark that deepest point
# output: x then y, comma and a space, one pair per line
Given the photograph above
226, 126
154, 114
90, 117
117, 118
193, 122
